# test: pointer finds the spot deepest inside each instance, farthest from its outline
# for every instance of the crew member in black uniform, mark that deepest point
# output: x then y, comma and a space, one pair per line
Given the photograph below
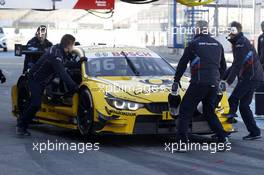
46, 68
259, 100
261, 45
38, 43
2, 77
249, 72
207, 62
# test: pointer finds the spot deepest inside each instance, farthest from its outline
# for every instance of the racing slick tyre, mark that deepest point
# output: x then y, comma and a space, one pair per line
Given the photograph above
85, 112
5, 49
23, 95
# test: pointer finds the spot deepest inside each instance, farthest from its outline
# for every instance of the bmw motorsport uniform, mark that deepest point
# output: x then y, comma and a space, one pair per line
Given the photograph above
207, 64
31, 59
259, 91
247, 68
261, 48
47, 67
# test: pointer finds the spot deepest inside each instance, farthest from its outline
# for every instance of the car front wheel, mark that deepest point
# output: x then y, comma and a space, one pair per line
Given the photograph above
85, 112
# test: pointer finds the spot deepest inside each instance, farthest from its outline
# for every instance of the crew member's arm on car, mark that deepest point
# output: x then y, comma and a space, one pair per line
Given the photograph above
60, 69
83, 59
241, 53
226, 73
182, 65
222, 64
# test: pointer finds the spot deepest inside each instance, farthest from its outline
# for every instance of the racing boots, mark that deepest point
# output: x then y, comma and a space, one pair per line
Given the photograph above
252, 137
230, 115
22, 132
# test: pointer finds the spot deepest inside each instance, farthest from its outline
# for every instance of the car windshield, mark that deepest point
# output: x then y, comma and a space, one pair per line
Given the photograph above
128, 66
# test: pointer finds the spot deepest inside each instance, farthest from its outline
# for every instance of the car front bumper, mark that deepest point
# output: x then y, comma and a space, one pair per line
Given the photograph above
150, 124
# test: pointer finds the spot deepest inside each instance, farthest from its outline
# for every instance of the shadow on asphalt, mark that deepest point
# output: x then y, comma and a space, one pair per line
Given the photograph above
55, 133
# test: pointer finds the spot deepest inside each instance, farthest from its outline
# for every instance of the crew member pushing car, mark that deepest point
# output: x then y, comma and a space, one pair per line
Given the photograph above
247, 68
38, 43
207, 61
46, 68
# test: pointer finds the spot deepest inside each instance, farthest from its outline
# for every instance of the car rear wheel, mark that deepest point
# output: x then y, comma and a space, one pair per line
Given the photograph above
5, 49
85, 112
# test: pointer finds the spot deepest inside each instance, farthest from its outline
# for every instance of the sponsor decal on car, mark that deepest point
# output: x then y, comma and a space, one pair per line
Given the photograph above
118, 112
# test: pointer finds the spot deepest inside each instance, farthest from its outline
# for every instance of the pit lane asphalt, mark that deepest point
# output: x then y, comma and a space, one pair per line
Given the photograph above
117, 154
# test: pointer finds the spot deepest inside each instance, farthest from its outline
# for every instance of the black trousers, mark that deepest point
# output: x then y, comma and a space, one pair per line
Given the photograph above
193, 96
242, 97
36, 91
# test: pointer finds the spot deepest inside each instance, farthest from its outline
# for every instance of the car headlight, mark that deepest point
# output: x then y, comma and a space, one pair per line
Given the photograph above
122, 104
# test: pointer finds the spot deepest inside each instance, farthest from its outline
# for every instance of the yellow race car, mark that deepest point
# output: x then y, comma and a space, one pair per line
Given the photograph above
192, 3
123, 90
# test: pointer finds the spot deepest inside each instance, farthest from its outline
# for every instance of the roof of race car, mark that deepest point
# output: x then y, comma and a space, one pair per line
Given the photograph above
106, 51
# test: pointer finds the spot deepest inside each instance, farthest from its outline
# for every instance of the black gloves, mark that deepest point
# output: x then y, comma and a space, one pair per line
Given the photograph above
2, 77
76, 89
71, 92
174, 89
226, 73
82, 59
222, 87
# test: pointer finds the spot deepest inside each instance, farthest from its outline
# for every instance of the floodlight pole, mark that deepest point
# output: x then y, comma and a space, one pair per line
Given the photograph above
257, 14
54, 4
216, 18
